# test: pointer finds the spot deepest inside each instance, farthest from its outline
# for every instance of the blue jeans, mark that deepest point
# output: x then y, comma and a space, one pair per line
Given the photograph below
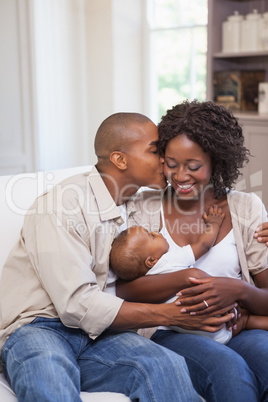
218, 373
252, 345
46, 361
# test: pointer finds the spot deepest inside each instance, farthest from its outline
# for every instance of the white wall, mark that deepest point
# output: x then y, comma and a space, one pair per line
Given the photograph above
17, 144
115, 58
85, 62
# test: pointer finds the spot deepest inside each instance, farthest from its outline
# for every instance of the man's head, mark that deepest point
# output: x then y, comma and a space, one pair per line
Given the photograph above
125, 145
135, 251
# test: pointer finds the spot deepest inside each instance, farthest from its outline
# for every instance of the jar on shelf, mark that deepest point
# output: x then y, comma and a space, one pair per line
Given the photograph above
264, 31
250, 32
231, 33
263, 98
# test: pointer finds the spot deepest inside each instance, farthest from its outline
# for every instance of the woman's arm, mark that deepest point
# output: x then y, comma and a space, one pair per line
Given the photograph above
157, 288
219, 292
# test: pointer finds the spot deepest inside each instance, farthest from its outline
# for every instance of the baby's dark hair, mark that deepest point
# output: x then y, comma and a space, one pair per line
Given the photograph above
216, 130
126, 262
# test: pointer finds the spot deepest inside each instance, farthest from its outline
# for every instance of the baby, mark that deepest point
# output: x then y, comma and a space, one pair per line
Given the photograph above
137, 252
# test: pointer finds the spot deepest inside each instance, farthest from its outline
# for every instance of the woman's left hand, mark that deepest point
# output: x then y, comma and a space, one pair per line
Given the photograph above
209, 295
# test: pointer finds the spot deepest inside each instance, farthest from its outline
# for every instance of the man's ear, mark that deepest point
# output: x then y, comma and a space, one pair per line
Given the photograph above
150, 262
119, 160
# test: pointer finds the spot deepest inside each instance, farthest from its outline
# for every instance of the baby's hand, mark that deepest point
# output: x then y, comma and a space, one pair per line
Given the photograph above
215, 215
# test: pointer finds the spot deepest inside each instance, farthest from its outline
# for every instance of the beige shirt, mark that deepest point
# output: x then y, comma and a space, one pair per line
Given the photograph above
60, 264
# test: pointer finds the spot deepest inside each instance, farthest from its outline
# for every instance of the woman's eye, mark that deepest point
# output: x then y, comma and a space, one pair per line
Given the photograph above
194, 168
171, 166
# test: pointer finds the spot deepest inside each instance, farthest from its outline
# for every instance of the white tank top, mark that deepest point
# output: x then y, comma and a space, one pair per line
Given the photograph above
221, 260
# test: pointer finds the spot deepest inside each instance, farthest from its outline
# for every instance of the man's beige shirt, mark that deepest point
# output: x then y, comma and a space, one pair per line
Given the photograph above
60, 264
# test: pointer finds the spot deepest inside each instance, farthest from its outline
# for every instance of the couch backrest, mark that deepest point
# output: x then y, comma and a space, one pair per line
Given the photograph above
17, 194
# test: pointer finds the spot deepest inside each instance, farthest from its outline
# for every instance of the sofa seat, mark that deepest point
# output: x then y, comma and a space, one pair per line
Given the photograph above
17, 194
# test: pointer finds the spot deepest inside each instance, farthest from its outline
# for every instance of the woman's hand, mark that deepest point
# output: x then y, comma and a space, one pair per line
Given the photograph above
261, 233
209, 295
206, 322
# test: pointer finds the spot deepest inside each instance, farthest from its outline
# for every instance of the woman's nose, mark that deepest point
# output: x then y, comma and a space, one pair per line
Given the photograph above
181, 174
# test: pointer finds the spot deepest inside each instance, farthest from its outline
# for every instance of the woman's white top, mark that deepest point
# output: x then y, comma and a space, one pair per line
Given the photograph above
220, 260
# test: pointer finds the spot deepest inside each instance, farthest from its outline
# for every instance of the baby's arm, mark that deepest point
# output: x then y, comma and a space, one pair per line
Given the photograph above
213, 221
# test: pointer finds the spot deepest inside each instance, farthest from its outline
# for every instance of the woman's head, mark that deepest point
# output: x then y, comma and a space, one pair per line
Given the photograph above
216, 131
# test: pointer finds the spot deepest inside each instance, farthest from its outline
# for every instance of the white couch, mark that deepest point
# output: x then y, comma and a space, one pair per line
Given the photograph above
17, 193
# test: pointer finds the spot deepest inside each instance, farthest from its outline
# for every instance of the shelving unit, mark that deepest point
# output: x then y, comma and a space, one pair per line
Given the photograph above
255, 126
219, 10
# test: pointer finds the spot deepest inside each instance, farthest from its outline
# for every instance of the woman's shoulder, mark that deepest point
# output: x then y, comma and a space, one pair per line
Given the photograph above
241, 199
246, 208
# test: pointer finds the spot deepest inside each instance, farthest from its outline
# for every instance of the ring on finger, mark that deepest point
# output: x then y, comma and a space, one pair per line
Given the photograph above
206, 303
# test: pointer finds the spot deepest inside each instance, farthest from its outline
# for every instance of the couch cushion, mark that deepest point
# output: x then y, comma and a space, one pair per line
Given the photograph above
7, 395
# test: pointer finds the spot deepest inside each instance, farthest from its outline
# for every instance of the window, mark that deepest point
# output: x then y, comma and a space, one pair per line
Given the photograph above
177, 33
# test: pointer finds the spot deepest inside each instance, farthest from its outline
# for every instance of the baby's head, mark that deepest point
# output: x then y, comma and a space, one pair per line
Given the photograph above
135, 251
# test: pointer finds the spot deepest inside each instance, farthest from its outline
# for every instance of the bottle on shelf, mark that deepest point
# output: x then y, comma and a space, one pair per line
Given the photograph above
264, 31
231, 33
251, 32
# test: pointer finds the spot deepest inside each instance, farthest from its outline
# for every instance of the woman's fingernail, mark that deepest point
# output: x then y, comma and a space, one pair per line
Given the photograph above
183, 310
178, 294
193, 313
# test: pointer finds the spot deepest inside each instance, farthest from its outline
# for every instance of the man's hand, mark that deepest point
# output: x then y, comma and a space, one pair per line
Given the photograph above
261, 233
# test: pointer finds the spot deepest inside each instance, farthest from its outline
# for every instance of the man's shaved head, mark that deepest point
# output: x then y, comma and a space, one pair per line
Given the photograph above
117, 133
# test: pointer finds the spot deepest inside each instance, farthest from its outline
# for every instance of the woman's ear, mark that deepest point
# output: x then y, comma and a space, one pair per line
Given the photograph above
119, 160
150, 262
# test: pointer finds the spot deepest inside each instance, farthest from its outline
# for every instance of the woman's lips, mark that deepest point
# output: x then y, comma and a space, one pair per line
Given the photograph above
184, 188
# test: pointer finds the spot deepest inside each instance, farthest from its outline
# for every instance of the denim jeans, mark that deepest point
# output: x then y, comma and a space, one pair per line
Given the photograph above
218, 373
252, 345
46, 361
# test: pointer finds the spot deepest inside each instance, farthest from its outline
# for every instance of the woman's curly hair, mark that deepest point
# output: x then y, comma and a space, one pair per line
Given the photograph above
216, 130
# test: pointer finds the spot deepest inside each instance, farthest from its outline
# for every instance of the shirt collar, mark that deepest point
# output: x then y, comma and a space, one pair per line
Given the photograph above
106, 205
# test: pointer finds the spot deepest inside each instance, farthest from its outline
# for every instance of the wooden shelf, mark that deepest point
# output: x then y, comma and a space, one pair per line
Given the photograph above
220, 55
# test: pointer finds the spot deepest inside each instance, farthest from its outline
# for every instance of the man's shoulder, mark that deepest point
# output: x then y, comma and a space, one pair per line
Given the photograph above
146, 193
148, 198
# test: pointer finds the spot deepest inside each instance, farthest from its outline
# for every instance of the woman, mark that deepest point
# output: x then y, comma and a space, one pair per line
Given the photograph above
202, 149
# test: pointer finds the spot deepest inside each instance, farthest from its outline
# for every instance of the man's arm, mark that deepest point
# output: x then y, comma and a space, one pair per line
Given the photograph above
138, 315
